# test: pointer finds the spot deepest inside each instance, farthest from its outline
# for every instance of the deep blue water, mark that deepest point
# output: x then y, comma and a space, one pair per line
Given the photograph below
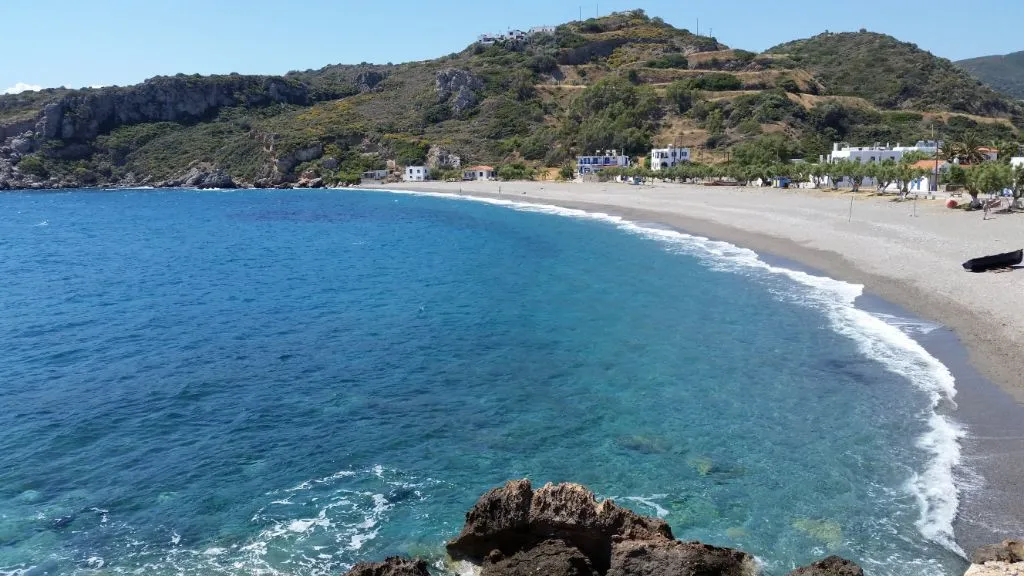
291, 382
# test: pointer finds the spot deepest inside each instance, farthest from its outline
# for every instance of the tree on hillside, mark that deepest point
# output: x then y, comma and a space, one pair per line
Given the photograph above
681, 97
1007, 150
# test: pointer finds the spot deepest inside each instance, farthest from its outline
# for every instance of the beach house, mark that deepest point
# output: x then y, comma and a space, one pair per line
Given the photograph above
599, 161
928, 183
416, 174
662, 158
375, 175
879, 153
479, 173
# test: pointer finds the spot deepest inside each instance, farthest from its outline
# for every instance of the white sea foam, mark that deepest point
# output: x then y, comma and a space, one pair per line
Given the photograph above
650, 502
934, 488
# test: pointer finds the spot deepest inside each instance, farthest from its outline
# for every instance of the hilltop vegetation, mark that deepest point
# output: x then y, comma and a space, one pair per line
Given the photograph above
625, 81
1004, 73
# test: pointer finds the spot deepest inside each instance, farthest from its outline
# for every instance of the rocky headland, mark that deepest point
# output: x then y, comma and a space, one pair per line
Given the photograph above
563, 530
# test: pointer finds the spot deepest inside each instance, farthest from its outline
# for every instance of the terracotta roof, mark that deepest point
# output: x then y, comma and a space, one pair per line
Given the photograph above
929, 164
481, 168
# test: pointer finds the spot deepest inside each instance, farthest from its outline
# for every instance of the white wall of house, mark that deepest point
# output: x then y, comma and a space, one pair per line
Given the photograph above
416, 174
1017, 161
668, 157
592, 164
479, 174
872, 154
864, 155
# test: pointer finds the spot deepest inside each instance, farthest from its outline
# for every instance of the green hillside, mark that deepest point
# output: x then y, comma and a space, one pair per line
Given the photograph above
1004, 73
625, 81
891, 74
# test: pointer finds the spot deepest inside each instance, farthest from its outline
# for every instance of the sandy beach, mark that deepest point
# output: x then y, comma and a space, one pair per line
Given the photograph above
909, 253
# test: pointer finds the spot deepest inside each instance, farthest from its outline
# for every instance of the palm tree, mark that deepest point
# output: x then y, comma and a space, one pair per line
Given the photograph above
970, 149
949, 151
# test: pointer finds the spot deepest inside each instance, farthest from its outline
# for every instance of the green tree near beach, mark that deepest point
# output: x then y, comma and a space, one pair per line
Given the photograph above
988, 178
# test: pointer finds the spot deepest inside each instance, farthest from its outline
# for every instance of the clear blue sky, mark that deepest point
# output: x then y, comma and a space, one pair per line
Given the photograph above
103, 42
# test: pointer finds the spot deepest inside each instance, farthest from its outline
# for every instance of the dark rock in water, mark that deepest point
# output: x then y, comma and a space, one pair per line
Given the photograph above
831, 566
550, 558
62, 522
400, 494
1009, 551
391, 567
656, 557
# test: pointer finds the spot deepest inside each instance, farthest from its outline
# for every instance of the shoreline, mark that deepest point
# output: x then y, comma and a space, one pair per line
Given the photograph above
991, 354
987, 477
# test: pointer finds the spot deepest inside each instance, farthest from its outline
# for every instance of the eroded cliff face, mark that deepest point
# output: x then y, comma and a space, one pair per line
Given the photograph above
66, 127
83, 116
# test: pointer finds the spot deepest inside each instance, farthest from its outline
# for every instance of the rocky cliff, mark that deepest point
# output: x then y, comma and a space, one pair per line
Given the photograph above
84, 115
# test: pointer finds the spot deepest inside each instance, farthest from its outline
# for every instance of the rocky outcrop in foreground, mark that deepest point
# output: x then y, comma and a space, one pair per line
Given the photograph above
562, 530
1006, 559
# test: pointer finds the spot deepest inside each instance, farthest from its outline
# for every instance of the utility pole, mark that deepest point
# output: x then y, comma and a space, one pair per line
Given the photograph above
698, 26
935, 186
581, 13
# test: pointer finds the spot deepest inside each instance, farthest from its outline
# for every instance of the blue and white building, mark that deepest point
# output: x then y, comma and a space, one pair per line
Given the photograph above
593, 164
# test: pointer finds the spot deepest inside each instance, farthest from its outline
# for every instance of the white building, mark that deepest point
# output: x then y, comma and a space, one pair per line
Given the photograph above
668, 157
416, 174
1017, 161
593, 164
929, 147
479, 173
375, 175
879, 153
541, 30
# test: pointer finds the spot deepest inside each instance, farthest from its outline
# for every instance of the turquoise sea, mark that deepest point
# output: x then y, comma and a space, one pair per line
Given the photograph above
288, 382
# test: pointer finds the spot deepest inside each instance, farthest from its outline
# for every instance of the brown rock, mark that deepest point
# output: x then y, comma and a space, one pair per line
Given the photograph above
831, 566
663, 557
1009, 551
499, 520
391, 567
571, 512
549, 558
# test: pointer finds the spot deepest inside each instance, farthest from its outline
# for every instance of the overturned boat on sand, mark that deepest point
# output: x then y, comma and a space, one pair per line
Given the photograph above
994, 262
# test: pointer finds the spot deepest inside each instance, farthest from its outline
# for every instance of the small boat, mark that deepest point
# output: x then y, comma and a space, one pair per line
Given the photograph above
986, 263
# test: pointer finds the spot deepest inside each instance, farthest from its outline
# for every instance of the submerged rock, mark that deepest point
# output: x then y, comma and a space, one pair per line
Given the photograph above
391, 567
831, 566
643, 444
